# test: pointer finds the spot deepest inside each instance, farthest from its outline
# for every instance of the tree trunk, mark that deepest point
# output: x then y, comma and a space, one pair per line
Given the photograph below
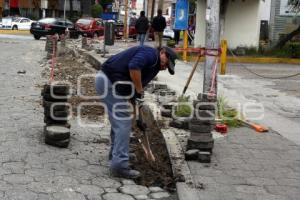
71, 9
287, 38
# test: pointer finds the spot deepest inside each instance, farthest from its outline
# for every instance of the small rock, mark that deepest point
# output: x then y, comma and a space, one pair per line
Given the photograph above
22, 72
156, 189
159, 195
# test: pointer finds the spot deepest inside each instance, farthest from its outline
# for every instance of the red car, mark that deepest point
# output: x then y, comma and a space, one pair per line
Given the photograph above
90, 27
119, 31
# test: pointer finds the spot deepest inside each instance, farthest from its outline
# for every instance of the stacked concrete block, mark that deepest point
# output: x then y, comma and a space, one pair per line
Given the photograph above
56, 113
51, 43
201, 126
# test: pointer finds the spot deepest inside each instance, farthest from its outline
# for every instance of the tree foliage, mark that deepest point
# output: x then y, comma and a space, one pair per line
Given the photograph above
97, 10
295, 5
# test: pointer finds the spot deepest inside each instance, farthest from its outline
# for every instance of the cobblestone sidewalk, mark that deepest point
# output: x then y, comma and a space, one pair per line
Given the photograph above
31, 170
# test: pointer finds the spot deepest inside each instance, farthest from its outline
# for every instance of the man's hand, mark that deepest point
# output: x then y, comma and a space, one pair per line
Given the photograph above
138, 99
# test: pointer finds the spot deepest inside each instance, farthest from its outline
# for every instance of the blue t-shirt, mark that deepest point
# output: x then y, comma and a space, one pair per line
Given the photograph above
144, 58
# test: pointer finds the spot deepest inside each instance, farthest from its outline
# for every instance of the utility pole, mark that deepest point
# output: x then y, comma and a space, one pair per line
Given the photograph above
126, 20
212, 42
204, 113
152, 9
65, 5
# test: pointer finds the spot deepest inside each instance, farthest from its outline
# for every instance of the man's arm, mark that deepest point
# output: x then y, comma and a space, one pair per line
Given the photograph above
135, 75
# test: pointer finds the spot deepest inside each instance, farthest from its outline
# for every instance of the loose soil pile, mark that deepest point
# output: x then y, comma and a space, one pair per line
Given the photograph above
79, 75
158, 173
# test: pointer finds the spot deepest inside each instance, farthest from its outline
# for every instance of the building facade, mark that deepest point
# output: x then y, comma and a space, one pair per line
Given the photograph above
36, 9
283, 20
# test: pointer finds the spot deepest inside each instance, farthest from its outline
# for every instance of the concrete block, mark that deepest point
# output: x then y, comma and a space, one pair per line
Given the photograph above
166, 113
180, 124
204, 156
199, 105
57, 133
204, 128
196, 121
203, 143
191, 154
206, 98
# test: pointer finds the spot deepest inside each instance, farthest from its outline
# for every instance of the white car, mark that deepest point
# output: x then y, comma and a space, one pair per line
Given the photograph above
169, 33
18, 23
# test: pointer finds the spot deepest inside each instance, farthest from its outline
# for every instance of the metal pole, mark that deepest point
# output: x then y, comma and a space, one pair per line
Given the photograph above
126, 20
212, 42
65, 5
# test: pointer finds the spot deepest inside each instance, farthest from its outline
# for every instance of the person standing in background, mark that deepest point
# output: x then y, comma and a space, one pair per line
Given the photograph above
141, 27
158, 25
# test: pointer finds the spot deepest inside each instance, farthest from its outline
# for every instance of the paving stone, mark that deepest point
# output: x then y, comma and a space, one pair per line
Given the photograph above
204, 105
89, 190
166, 113
201, 128
76, 163
17, 179
140, 197
180, 124
191, 155
159, 195
60, 144
260, 181
5, 171
68, 194
106, 182
20, 194
201, 143
250, 189
127, 182
134, 190
117, 196
42, 187
57, 133
204, 157
156, 189
110, 190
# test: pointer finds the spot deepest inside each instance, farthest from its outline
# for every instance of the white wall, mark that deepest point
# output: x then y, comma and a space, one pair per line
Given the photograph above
265, 10
241, 25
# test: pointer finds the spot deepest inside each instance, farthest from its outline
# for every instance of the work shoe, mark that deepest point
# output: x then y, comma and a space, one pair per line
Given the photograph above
132, 156
126, 173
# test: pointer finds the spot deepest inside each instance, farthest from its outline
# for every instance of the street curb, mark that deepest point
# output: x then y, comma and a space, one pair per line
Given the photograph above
254, 60
15, 32
185, 190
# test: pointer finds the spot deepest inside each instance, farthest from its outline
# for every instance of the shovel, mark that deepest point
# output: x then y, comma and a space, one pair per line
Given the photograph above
143, 138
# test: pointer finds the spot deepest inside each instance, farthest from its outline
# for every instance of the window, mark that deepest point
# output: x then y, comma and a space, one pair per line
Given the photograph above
25, 21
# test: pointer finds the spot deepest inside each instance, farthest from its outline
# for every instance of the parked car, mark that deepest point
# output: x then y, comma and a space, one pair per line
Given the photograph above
168, 33
16, 23
119, 30
51, 26
90, 27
